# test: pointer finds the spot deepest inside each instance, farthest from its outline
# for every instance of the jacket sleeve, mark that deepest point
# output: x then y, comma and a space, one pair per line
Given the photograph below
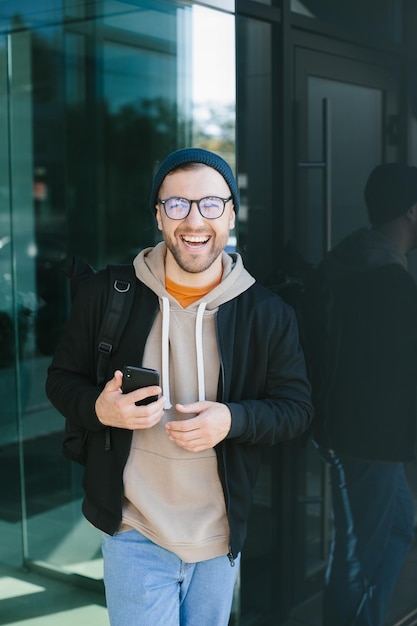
268, 394
71, 380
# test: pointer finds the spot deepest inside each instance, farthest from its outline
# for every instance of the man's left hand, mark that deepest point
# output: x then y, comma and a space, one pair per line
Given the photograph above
210, 425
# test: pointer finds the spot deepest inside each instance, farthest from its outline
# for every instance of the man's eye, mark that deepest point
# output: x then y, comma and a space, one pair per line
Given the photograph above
210, 203
177, 203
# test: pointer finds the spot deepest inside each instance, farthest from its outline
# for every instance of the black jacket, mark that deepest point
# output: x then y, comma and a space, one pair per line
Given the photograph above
262, 380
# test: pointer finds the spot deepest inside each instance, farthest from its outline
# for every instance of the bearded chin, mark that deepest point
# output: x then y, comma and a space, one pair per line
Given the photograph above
191, 264
194, 266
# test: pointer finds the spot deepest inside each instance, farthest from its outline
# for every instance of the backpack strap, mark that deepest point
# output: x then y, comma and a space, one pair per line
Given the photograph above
121, 293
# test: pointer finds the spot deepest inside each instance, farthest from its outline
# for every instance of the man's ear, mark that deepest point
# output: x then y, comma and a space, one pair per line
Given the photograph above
232, 219
158, 217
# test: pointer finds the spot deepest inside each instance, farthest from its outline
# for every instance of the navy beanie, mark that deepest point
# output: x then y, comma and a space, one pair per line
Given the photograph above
390, 191
194, 155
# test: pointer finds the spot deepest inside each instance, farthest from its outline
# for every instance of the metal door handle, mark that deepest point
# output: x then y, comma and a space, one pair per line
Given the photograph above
326, 166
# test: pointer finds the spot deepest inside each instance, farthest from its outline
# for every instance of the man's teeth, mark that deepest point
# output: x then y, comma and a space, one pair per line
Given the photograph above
195, 239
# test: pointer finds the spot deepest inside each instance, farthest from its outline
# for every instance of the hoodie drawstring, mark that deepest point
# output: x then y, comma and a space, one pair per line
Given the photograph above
199, 350
165, 352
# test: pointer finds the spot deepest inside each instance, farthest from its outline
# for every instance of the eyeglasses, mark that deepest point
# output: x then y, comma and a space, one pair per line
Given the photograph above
210, 208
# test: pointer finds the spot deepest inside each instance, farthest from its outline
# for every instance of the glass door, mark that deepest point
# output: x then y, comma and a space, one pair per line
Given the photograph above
92, 95
10, 486
346, 124
361, 119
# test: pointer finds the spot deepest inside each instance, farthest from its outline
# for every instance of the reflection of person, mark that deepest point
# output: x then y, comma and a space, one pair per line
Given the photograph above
367, 428
173, 494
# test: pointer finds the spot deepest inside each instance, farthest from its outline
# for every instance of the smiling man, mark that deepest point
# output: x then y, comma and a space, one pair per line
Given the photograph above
195, 244
172, 493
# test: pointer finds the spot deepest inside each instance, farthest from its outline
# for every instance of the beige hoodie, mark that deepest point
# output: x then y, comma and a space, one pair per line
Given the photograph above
172, 496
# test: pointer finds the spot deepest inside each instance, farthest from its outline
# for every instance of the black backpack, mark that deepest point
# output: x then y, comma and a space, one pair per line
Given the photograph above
121, 293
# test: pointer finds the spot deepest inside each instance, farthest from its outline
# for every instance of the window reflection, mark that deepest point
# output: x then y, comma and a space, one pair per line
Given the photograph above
97, 100
214, 85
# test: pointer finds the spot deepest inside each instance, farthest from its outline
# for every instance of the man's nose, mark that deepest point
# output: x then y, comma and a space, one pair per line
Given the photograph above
194, 214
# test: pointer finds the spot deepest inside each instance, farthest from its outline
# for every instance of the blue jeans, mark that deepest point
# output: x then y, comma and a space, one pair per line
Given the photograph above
373, 512
147, 585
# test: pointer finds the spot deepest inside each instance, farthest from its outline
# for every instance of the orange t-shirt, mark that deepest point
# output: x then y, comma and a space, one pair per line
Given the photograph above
187, 295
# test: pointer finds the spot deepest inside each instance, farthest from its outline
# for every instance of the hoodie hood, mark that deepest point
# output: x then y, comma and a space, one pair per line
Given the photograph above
362, 250
150, 269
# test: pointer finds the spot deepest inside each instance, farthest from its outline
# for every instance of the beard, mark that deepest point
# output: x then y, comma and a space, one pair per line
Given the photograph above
197, 263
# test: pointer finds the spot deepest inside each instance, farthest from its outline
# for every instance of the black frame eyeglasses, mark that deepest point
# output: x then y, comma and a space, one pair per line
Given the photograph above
211, 207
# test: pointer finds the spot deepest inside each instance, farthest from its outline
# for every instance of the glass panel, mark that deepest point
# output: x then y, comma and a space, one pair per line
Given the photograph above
259, 588
193, 104
93, 105
256, 120
382, 19
74, 8
10, 485
317, 512
313, 538
33, 415
258, 578
314, 473
222, 5
131, 17
347, 199
30, 373
213, 81
136, 105
18, 14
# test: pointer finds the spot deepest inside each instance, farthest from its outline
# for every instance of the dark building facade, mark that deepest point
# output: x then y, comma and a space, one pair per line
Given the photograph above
302, 97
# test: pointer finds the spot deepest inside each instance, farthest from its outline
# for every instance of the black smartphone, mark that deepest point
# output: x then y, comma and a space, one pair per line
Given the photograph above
138, 377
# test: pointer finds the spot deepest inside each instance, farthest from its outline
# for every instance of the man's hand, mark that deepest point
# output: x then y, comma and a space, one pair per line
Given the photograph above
113, 408
210, 426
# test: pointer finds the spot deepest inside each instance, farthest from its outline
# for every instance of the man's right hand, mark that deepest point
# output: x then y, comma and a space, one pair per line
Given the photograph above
113, 408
